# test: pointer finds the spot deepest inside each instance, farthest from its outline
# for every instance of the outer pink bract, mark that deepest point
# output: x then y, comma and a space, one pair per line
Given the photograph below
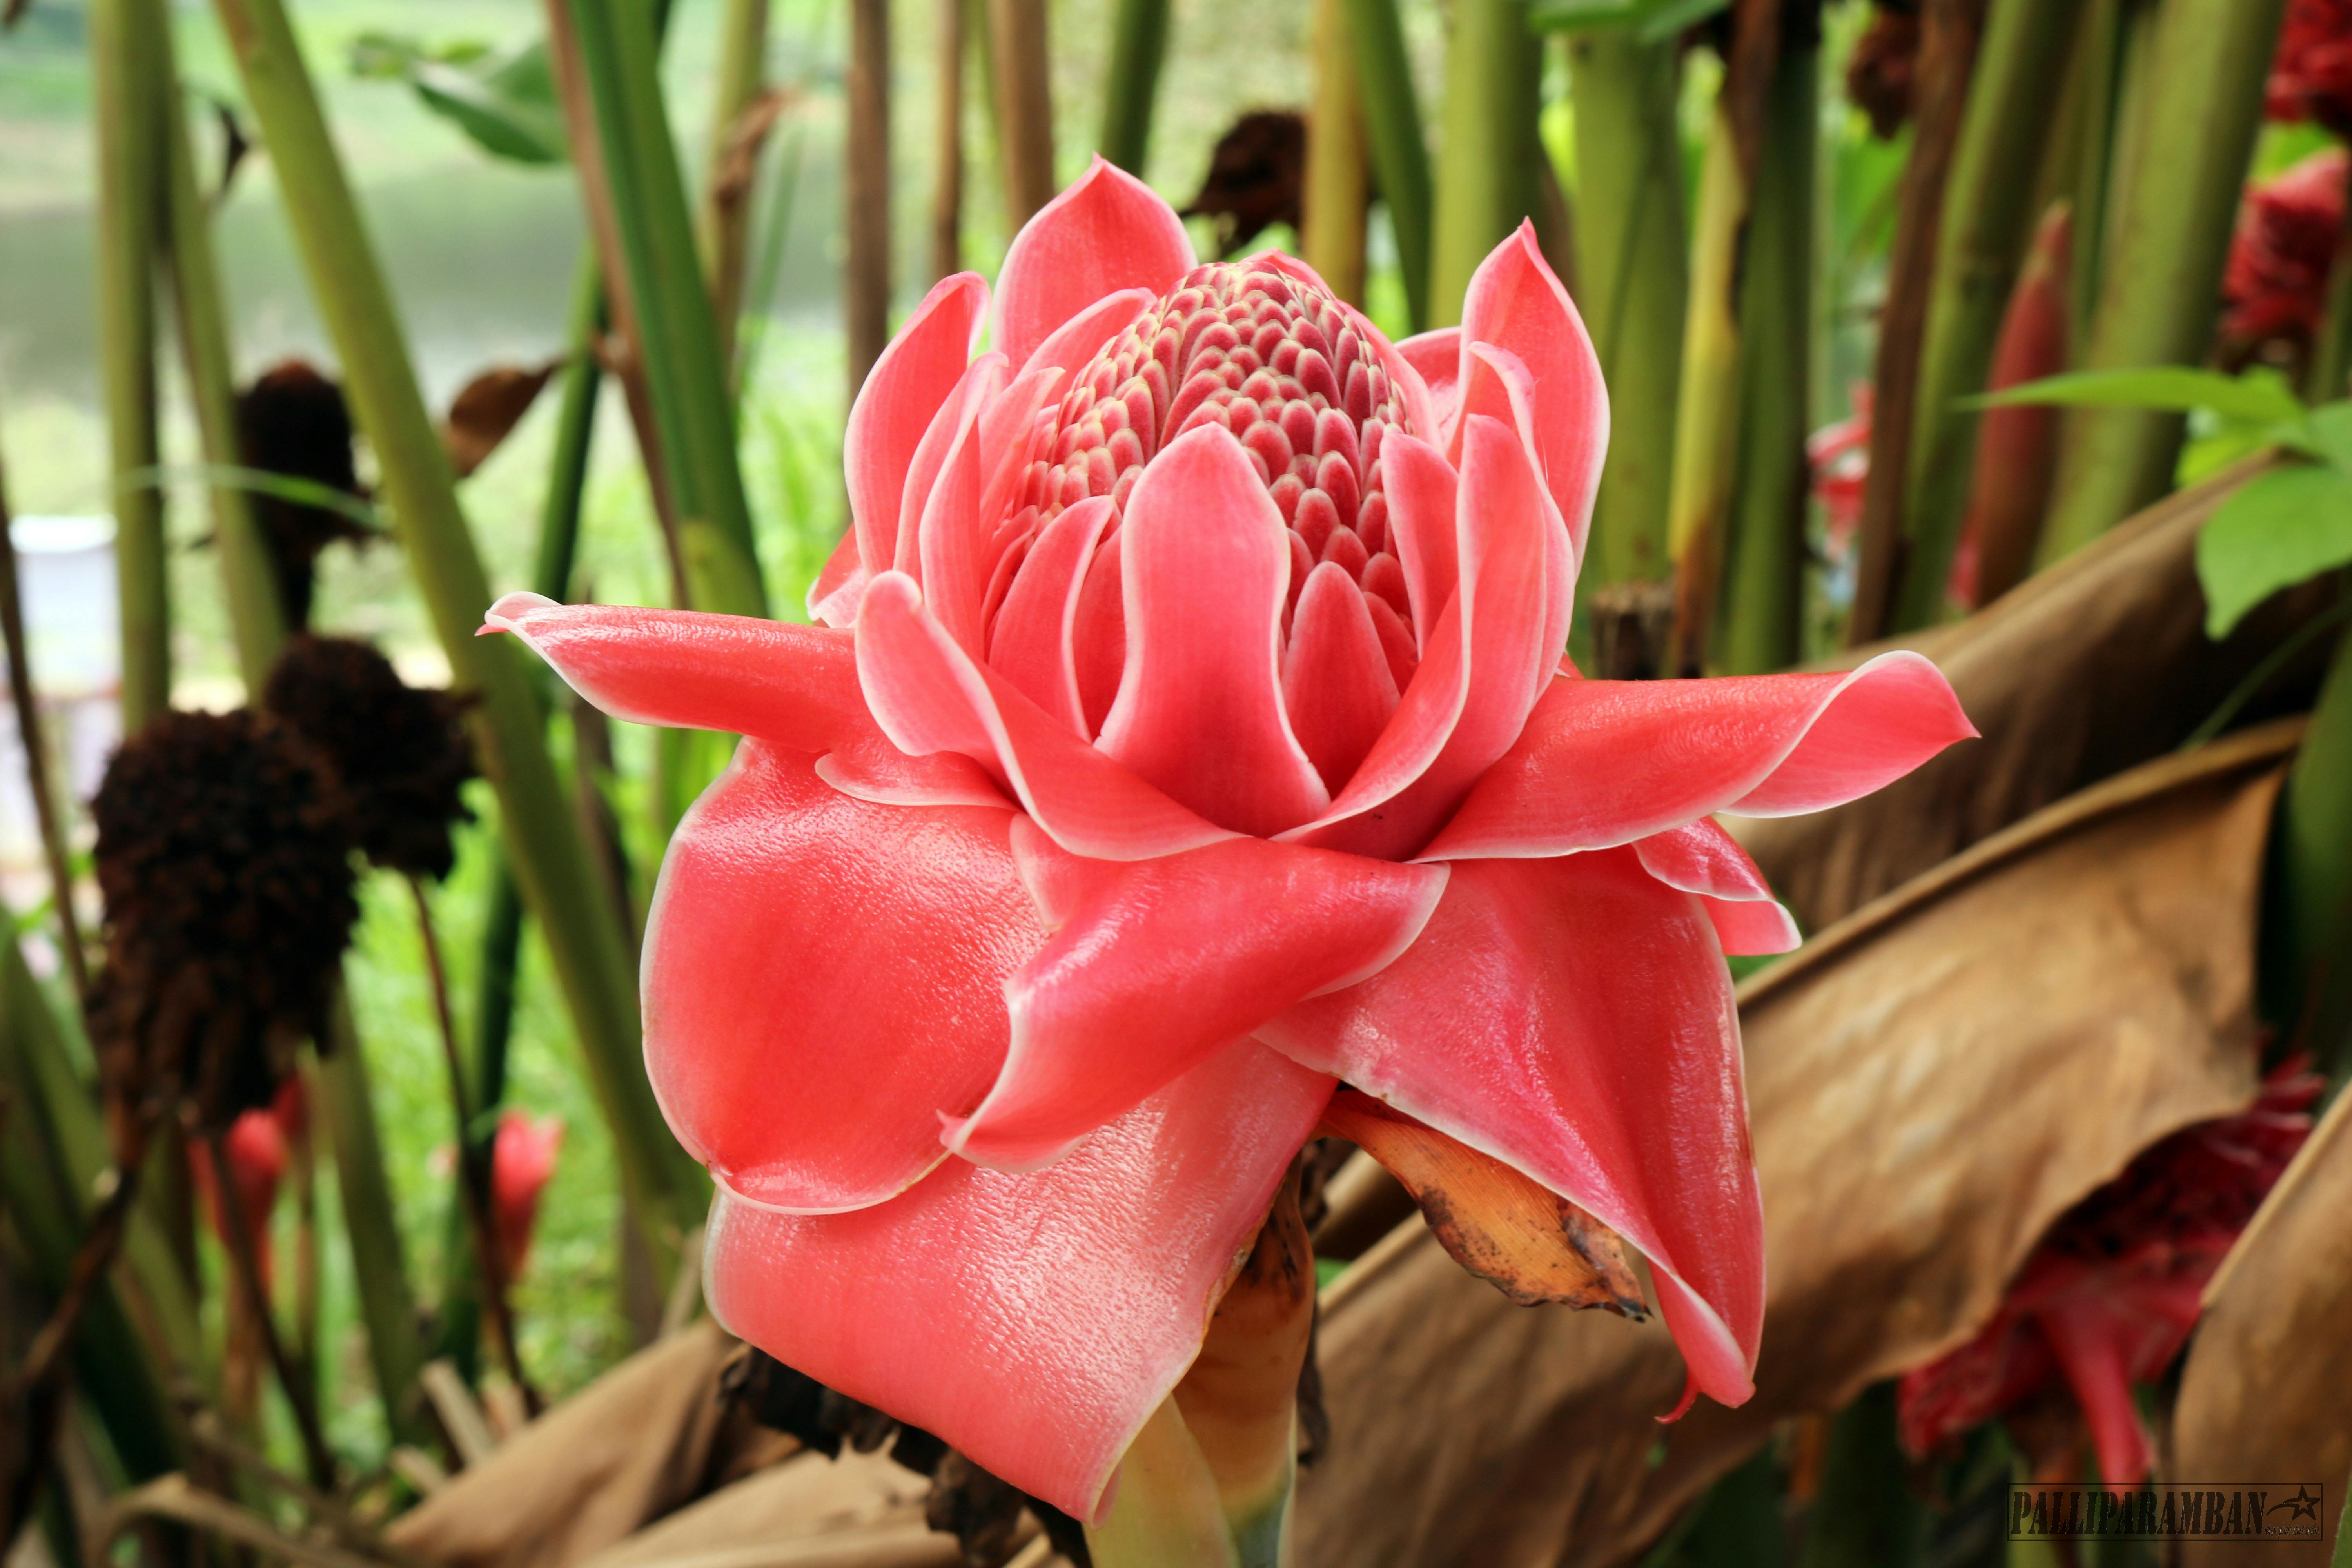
1188, 729
522, 1161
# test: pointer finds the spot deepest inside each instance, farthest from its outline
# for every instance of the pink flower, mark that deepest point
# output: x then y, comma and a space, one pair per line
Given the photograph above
258, 1148
1189, 730
522, 1161
2311, 74
2275, 285
1840, 456
2109, 1297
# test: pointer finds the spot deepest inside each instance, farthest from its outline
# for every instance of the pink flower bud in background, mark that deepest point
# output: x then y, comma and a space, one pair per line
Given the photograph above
522, 1161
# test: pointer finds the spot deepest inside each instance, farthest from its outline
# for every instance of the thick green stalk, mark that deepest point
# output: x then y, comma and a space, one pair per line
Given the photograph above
1166, 1513
2310, 963
1139, 44
1487, 174
1763, 601
725, 227
584, 930
2175, 202
1706, 414
2331, 348
256, 616
1632, 262
1400, 149
128, 75
1338, 181
1989, 216
2100, 89
629, 173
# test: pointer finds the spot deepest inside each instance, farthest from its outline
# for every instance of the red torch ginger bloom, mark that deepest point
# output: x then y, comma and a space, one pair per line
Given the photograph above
1839, 456
1189, 730
2311, 74
258, 1148
2109, 1297
522, 1161
2275, 285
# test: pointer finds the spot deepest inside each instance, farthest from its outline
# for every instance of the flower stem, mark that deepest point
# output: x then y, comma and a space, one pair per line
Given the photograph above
1707, 418
1400, 151
1486, 176
1166, 1513
1339, 182
244, 1261
1024, 105
1139, 44
2308, 971
32, 738
865, 278
946, 170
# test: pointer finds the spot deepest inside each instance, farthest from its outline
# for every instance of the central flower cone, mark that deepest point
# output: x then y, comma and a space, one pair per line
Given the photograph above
1188, 730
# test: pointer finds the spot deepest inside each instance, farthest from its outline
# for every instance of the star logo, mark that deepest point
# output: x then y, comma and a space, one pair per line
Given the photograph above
2303, 1504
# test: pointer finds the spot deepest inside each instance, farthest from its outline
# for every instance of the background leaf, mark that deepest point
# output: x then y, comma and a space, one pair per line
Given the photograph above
2254, 398
2278, 530
503, 99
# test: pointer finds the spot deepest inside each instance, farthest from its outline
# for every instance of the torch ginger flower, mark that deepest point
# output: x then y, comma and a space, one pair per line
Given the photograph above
2275, 284
258, 1148
2311, 74
1189, 730
522, 1161
2109, 1297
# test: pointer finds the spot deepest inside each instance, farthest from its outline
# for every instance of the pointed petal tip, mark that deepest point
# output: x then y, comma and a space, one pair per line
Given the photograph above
508, 612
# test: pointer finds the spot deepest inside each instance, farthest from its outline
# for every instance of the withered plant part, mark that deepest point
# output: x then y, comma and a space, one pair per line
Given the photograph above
1882, 75
293, 421
488, 408
1257, 177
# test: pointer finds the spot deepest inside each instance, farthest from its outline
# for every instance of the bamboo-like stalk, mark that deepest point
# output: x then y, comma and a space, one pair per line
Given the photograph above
583, 931
1338, 172
1138, 45
1633, 267
1400, 149
866, 188
2309, 968
1949, 32
2175, 202
2331, 347
1486, 171
1988, 216
605, 52
32, 738
724, 230
1763, 601
1017, 53
947, 146
1706, 413
131, 93
2100, 89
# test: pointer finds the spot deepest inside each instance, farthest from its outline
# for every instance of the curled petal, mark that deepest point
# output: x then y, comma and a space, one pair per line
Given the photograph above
818, 1087
927, 695
1154, 964
1700, 857
1437, 357
1607, 761
981, 384
1423, 490
904, 390
1573, 1019
1032, 1322
1107, 232
1336, 683
1076, 341
1033, 642
832, 599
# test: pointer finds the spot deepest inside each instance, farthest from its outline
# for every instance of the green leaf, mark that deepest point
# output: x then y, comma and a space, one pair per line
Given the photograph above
2330, 428
1653, 20
2253, 399
2280, 529
504, 100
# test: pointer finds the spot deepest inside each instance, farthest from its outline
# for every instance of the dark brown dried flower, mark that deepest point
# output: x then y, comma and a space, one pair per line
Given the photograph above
400, 751
292, 421
224, 853
1256, 177
1883, 72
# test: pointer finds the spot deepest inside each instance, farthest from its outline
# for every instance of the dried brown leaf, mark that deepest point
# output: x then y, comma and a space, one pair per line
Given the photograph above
1931, 1084
2091, 667
488, 408
1530, 1243
859, 1509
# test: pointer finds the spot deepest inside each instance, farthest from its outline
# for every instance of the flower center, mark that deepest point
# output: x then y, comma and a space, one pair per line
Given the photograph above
1272, 358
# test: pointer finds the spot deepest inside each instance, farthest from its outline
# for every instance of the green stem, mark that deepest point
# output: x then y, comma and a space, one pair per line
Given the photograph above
2177, 199
1487, 174
1707, 416
2331, 350
1166, 1514
726, 229
2309, 968
1764, 570
1400, 150
1633, 260
1338, 174
629, 172
1139, 44
1989, 216
585, 932
2101, 87
130, 90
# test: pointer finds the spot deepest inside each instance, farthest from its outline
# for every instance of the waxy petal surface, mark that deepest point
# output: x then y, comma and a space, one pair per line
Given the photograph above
1033, 1321
902, 392
1515, 303
1336, 684
1034, 641
1701, 858
1607, 761
818, 1086
1107, 232
1155, 965
1573, 1018
927, 695
1205, 559
1436, 358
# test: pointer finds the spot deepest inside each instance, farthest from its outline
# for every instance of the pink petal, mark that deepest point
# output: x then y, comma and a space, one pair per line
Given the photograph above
927, 695
2092, 1340
818, 1085
1105, 233
1098, 639
1153, 966
1031, 1321
1607, 761
1573, 1019
1437, 357
1205, 559
1501, 611
1422, 488
1701, 858
1032, 642
1336, 685
981, 384
832, 599
1499, 384
904, 388
1078, 339
1515, 303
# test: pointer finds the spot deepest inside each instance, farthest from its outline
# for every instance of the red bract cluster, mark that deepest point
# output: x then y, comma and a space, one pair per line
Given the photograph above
2108, 1298
2288, 229
2311, 75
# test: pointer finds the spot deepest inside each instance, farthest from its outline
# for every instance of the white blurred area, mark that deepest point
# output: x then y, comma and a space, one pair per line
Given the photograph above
66, 576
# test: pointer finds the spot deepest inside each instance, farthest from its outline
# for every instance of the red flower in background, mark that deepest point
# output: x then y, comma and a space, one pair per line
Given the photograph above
2275, 286
259, 1148
522, 1161
1189, 730
1839, 455
2311, 75
2110, 1295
